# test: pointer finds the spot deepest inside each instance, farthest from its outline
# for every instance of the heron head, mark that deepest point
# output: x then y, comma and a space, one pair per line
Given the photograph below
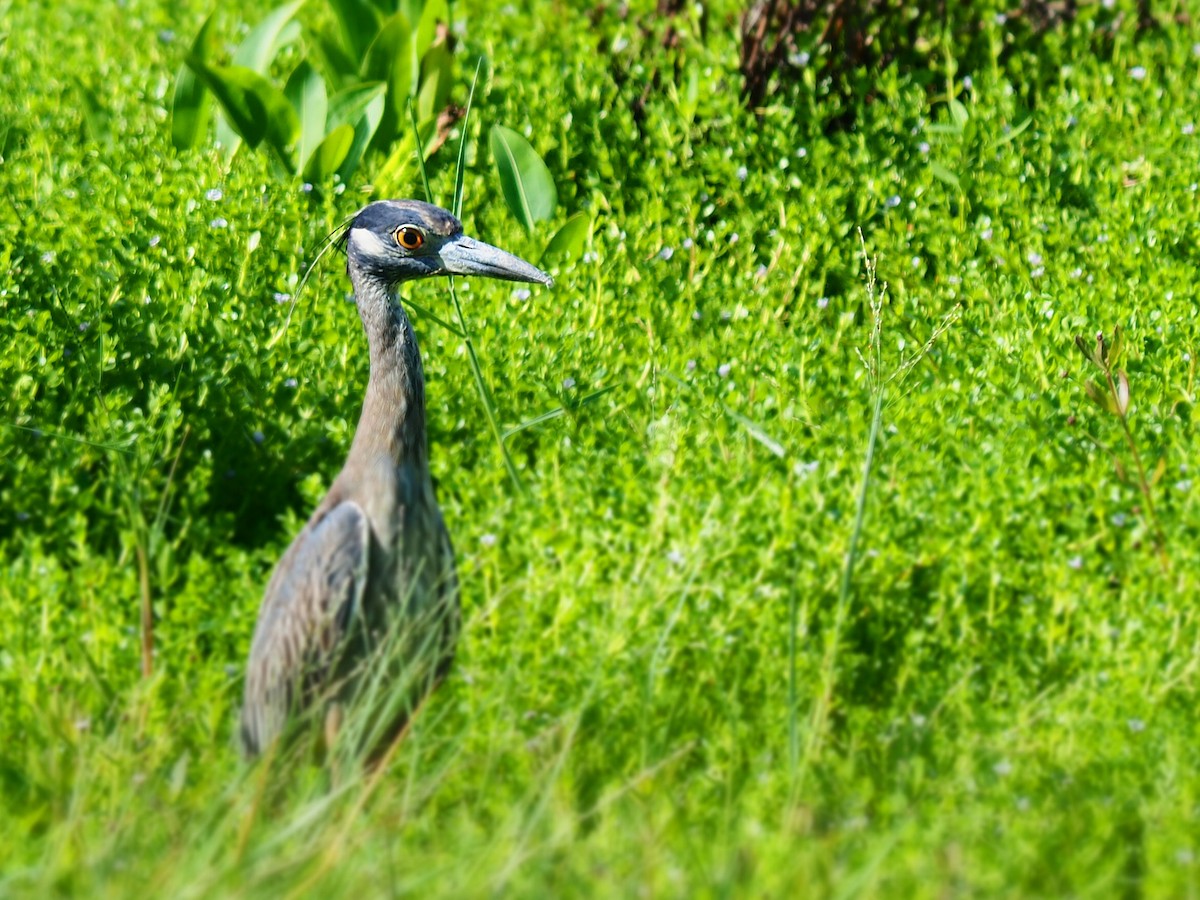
400, 240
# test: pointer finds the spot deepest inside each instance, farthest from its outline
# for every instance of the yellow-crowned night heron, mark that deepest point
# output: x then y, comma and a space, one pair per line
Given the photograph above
374, 563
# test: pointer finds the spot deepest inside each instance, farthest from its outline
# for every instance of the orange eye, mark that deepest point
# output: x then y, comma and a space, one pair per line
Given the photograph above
409, 237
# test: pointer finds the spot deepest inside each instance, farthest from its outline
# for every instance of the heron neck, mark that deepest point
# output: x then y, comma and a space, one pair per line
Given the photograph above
393, 413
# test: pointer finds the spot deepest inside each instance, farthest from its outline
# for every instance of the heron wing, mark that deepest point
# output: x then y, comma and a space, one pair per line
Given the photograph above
314, 595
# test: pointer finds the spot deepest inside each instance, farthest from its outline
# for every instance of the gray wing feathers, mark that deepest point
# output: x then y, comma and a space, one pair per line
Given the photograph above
314, 595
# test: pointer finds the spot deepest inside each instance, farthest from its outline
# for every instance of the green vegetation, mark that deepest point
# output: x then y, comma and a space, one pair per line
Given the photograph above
674, 679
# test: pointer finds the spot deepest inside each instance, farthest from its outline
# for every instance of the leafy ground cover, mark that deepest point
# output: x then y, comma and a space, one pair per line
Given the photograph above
663, 687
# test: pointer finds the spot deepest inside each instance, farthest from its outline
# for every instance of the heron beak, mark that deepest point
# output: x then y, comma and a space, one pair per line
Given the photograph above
462, 255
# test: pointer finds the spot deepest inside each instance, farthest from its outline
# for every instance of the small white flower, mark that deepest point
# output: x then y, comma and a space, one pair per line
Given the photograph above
734, 238
801, 153
291, 383
83, 723
916, 261
675, 558
1076, 272
923, 147
799, 60
1075, 562
48, 257
1035, 258
687, 244
724, 369
761, 272
968, 82
1000, 18
1189, 128
522, 293
822, 302
696, 316
154, 239
306, 188
742, 173
1137, 73
1136, 726
1183, 484
986, 234
590, 257
213, 194
666, 253
803, 469
281, 297
1118, 519
690, 365
1038, 272
892, 202
218, 222
1003, 768
568, 383
488, 540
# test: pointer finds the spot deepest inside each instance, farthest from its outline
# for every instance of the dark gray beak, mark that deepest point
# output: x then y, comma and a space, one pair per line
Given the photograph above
462, 255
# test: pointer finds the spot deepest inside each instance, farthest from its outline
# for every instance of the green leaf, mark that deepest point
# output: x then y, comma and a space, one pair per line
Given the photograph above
264, 42
359, 20
959, 114
432, 12
436, 80
390, 59
460, 170
1122, 393
568, 241
361, 106
305, 90
1013, 133
941, 173
329, 156
1100, 397
191, 109
524, 179
257, 109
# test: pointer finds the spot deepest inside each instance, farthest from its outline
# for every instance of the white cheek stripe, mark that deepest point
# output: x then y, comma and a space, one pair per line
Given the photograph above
369, 243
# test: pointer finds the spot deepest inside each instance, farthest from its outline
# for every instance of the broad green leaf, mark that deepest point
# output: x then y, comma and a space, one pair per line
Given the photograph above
412, 9
257, 109
526, 182
568, 241
437, 76
338, 64
361, 106
359, 20
305, 90
959, 114
264, 41
389, 59
941, 173
191, 109
329, 156
432, 12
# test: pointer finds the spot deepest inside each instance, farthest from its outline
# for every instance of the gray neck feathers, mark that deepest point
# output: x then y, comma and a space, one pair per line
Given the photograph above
393, 413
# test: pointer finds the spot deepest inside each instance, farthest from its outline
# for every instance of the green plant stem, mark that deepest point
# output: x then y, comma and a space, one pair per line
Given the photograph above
1160, 540
484, 396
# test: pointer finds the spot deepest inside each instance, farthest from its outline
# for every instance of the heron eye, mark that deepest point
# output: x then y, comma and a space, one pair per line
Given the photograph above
409, 237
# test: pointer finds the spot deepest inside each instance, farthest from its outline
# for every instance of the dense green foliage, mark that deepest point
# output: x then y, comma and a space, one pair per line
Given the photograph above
1008, 705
